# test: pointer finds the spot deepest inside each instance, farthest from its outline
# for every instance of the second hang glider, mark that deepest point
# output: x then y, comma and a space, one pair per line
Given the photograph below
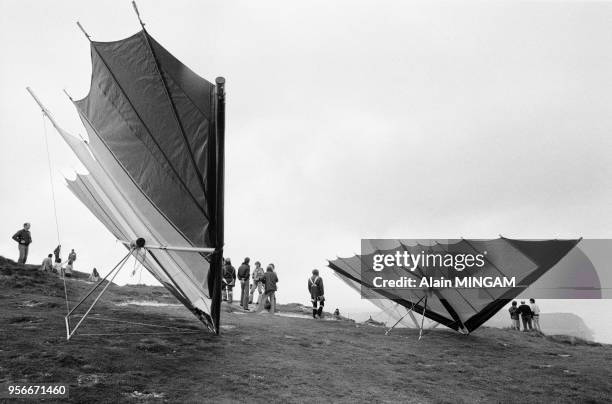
155, 161
461, 309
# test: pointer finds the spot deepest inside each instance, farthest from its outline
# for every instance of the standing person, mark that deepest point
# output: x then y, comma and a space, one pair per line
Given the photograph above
57, 251
525, 312
315, 287
47, 264
269, 280
244, 274
514, 316
23, 239
229, 280
72, 256
257, 276
535, 314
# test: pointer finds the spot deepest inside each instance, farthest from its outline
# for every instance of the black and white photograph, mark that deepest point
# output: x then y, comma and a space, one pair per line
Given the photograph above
344, 201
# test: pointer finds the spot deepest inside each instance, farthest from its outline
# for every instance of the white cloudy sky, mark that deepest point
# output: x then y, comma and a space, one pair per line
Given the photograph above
345, 120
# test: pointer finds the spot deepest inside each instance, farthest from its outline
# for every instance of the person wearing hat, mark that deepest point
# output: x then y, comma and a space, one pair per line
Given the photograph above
315, 287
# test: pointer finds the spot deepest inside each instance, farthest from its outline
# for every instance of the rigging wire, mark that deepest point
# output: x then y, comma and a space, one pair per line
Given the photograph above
51, 178
52, 186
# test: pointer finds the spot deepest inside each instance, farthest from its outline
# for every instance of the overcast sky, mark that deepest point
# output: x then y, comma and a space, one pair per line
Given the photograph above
345, 120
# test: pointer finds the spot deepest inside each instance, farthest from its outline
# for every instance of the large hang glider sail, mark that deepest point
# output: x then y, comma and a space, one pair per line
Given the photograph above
462, 309
155, 158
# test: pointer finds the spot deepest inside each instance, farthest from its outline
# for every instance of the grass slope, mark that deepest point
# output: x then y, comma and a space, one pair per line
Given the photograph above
275, 358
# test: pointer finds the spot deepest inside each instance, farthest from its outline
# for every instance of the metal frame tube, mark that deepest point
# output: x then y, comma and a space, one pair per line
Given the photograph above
116, 270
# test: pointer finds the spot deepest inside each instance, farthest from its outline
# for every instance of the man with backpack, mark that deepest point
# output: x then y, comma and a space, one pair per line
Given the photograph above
244, 273
229, 280
315, 287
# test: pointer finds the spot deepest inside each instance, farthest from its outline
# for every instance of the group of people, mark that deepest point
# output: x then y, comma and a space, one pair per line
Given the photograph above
529, 314
55, 265
23, 238
264, 282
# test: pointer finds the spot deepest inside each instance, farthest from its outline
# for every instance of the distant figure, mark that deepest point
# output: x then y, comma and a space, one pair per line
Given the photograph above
257, 276
244, 274
514, 316
229, 280
269, 280
336, 314
23, 239
315, 287
57, 267
57, 251
535, 314
68, 270
525, 312
95, 276
47, 264
72, 256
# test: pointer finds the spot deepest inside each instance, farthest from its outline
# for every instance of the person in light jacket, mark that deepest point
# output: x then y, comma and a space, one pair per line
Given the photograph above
535, 314
257, 284
47, 264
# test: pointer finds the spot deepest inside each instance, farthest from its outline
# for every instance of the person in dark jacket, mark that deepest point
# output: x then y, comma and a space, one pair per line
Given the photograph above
72, 256
23, 239
244, 274
514, 316
315, 287
229, 280
57, 251
269, 280
525, 312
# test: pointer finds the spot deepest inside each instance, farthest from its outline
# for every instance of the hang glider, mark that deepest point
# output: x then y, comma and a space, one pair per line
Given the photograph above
462, 309
396, 313
155, 162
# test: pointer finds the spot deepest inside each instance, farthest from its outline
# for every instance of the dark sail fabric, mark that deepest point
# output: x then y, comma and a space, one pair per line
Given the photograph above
156, 158
464, 309
154, 116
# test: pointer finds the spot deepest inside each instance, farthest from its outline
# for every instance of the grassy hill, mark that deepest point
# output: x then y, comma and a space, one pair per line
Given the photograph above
273, 358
